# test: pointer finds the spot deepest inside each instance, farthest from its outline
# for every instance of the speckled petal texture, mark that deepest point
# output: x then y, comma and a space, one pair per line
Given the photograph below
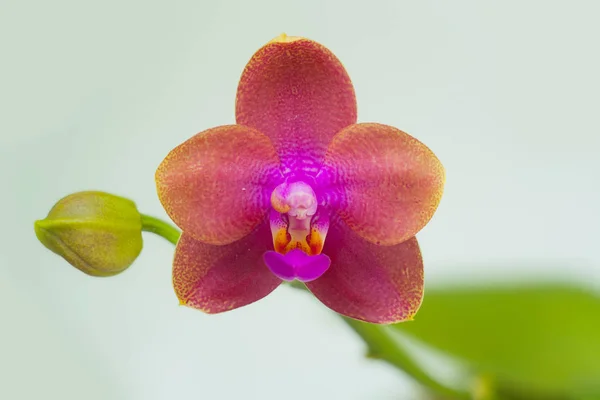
378, 284
389, 182
216, 185
220, 278
296, 92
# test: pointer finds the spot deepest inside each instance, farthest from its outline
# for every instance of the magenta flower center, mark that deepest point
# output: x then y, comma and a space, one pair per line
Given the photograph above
299, 228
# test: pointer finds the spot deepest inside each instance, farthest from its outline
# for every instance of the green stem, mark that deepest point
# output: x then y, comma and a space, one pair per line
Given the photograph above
382, 346
380, 343
161, 228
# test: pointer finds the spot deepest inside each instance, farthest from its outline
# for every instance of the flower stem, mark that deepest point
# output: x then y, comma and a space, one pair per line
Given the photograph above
161, 228
380, 343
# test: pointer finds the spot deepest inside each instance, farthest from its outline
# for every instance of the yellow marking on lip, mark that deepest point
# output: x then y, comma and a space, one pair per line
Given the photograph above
315, 242
311, 244
297, 244
281, 241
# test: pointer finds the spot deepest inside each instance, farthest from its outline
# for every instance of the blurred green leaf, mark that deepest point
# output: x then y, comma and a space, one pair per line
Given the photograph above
540, 340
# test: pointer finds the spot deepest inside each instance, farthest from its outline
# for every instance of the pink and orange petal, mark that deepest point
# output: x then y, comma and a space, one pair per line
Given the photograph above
296, 92
216, 185
377, 284
389, 183
220, 278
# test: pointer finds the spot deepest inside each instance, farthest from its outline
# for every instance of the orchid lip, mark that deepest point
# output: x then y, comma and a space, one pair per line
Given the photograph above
297, 222
296, 264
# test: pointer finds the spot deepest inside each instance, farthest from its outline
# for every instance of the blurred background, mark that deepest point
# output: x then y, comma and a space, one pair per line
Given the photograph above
94, 95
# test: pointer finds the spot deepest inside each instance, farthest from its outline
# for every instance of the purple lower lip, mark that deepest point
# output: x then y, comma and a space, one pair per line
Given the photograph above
296, 265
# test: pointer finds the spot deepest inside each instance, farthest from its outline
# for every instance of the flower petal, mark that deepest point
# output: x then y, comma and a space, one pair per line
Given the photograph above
216, 185
378, 284
298, 93
389, 184
220, 278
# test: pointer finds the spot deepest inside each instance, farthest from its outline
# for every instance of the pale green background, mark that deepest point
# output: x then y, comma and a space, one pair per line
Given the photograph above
94, 94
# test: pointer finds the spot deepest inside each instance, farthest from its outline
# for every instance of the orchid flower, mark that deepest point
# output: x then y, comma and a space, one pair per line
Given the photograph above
297, 189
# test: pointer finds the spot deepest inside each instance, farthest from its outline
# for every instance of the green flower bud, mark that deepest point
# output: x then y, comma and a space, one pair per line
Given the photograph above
96, 232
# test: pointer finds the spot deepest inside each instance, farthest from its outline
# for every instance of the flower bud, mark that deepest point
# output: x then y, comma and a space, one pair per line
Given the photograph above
96, 232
